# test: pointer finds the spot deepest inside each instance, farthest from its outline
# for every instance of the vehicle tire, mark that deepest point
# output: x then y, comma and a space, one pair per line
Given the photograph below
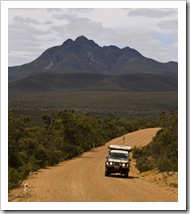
107, 173
127, 174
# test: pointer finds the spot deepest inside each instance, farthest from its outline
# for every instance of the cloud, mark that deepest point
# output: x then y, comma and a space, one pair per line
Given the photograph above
33, 31
28, 38
153, 13
168, 24
73, 26
25, 20
52, 10
24, 56
80, 10
47, 22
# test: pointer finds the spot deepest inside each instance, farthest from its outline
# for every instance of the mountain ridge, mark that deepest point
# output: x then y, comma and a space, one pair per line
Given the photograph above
82, 64
95, 82
84, 55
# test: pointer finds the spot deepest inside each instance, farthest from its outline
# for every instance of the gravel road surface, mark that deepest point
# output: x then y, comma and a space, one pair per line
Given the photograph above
82, 179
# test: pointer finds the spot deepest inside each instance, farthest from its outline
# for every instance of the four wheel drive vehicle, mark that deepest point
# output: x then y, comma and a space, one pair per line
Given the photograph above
118, 160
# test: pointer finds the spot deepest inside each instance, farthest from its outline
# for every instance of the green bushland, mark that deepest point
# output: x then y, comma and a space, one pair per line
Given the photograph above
131, 105
60, 136
66, 134
162, 152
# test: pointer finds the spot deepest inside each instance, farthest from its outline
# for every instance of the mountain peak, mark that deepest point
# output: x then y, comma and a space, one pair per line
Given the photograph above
84, 55
68, 41
81, 40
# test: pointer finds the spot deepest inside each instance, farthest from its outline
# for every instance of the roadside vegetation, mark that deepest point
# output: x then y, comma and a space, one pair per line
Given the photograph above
59, 137
66, 134
162, 152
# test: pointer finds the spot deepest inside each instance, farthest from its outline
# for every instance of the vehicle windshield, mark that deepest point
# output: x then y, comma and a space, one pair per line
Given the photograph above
120, 156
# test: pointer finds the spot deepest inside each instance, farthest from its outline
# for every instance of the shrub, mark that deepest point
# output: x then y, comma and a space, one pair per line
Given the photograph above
137, 152
144, 164
14, 178
59, 137
162, 152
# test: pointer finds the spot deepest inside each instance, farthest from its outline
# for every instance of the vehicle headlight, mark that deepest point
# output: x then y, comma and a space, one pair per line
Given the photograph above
109, 163
123, 164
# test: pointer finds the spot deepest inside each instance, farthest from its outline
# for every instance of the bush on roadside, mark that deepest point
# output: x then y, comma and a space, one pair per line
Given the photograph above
60, 137
144, 164
162, 152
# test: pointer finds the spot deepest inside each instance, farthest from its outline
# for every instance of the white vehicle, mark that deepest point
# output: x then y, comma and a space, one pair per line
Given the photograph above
118, 160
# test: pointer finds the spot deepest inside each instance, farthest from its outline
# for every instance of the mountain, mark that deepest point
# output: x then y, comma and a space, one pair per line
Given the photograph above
84, 64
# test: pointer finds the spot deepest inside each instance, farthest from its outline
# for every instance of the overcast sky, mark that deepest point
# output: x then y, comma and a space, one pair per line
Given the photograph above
152, 32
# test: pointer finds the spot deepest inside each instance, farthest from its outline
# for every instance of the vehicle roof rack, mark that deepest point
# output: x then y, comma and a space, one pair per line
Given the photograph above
120, 147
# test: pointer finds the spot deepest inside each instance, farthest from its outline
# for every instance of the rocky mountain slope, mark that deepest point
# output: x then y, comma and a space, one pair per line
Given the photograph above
84, 64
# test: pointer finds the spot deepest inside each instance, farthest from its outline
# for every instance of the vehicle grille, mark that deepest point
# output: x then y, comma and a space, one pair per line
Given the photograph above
116, 164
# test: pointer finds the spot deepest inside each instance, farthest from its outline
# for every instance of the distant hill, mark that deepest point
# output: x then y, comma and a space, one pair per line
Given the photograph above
83, 64
93, 81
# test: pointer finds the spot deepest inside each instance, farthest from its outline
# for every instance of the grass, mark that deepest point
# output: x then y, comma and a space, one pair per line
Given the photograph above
127, 104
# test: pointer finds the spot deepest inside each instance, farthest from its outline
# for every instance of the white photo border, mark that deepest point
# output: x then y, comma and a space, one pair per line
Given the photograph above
181, 204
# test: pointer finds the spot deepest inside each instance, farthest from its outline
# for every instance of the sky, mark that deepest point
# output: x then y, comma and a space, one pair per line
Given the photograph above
151, 31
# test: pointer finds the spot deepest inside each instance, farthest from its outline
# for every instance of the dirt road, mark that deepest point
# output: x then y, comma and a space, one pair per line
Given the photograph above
82, 179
